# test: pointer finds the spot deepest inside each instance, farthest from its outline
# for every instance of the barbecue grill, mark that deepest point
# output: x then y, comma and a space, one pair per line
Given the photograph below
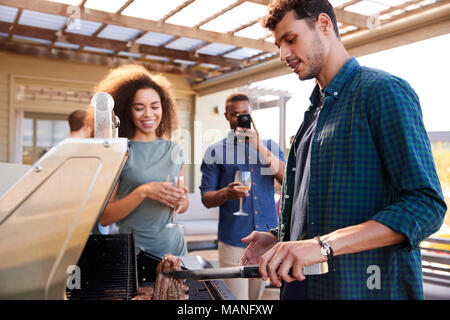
111, 270
47, 220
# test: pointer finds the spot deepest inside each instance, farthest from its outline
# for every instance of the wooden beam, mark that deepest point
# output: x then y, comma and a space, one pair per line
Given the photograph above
341, 15
401, 6
140, 24
115, 45
354, 19
103, 26
256, 92
348, 4
248, 62
217, 14
244, 77
124, 6
176, 10
401, 39
418, 27
16, 21
409, 13
244, 26
188, 55
82, 57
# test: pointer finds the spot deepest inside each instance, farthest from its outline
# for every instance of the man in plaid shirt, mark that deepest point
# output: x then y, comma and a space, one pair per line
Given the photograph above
360, 188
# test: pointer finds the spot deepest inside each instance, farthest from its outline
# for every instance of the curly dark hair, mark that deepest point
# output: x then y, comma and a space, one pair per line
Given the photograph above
304, 9
123, 82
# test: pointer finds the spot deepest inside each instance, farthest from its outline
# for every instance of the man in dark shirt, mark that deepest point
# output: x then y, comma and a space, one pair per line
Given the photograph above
361, 190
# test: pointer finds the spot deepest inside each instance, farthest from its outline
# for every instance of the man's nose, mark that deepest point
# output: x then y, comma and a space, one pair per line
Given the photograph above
284, 53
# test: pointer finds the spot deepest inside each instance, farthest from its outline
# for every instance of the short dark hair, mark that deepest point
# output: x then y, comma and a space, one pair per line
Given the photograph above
76, 120
303, 9
234, 97
123, 82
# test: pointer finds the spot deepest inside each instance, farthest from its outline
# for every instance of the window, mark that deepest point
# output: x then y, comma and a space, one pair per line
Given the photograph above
40, 133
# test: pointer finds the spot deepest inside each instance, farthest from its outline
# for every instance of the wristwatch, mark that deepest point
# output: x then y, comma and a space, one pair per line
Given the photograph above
327, 251
274, 231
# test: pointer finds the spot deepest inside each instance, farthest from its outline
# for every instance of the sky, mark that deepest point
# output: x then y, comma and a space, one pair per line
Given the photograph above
425, 65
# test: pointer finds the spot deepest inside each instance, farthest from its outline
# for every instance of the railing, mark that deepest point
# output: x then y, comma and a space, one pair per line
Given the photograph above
436, 261
202, 245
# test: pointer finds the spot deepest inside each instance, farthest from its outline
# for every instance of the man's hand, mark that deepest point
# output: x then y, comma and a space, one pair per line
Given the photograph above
275, 165
213, 199
251, 134
284, 256
258, 244
234, 193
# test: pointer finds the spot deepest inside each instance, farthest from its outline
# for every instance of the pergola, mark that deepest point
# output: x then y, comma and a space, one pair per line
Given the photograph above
216, 45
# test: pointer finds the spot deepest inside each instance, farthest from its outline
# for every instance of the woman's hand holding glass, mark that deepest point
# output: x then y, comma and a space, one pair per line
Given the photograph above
180, 185
164, 192
178, 182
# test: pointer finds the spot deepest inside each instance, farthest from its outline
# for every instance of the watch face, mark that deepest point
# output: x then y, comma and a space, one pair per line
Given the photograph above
325, 251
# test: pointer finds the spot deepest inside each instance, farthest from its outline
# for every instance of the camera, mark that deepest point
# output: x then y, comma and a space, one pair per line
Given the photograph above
244, 120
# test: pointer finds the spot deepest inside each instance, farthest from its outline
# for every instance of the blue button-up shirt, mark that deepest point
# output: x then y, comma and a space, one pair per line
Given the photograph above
370, 160
220, 163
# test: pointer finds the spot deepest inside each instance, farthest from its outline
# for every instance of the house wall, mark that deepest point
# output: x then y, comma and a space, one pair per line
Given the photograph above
210, 126
17, 70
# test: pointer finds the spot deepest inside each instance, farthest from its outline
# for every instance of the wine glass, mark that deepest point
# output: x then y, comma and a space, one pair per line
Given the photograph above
245, 178
178, 182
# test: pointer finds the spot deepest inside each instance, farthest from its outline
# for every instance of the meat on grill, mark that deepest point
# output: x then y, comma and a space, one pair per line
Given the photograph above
144, 293
166, 288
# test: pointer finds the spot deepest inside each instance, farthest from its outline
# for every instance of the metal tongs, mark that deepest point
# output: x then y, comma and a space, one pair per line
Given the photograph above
237, 272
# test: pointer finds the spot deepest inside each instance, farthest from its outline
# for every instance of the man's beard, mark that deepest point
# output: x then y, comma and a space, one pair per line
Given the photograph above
316, 61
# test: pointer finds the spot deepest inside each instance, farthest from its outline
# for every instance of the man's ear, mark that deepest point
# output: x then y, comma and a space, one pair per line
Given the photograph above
325, 24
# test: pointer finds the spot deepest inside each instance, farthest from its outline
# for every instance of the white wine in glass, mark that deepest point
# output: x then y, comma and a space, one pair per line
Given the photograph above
178, 182
245, 179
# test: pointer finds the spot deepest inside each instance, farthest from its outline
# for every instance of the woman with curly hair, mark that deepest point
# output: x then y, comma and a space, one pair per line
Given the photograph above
143, 200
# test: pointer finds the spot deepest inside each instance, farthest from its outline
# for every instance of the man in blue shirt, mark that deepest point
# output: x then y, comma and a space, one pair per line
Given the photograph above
241, 150
360, 188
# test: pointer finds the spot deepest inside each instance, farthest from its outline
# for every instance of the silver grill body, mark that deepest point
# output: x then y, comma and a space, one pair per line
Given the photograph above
46, 217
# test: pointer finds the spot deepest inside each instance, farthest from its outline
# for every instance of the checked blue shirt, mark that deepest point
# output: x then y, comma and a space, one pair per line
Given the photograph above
370, 160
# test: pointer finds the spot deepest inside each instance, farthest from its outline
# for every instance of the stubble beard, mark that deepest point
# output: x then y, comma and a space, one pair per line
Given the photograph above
316, 60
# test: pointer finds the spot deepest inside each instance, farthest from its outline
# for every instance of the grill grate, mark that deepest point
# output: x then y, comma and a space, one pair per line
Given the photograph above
198, 290
108, 269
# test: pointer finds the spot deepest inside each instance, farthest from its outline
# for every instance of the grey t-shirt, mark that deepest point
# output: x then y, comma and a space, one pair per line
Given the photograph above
151, 161
301, 202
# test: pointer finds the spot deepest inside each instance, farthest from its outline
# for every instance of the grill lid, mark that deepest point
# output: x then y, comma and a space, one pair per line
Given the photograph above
46, 217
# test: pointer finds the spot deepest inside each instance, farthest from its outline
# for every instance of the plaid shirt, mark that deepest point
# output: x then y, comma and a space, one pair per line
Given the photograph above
370, 160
